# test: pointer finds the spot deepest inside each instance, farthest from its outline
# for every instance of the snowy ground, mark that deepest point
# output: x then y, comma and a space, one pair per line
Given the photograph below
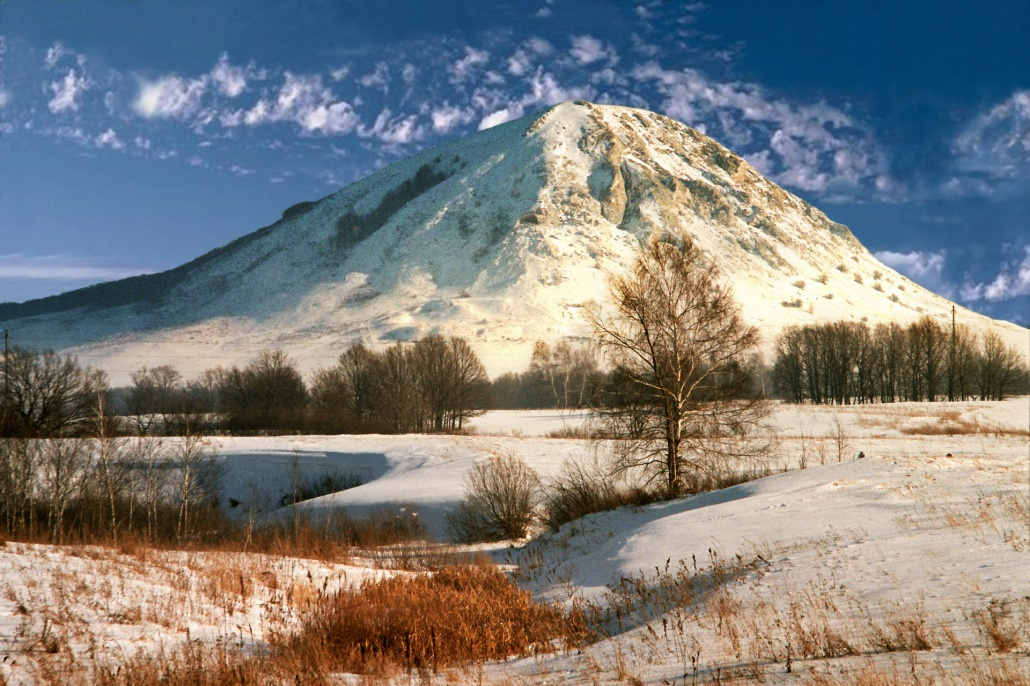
906, 561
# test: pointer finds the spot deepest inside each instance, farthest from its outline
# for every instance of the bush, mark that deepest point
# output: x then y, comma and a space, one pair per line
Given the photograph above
457, 615
580, 490
501, 498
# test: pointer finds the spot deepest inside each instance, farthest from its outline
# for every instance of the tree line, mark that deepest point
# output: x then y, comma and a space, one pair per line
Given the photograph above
435, 384
564, 376
847, 362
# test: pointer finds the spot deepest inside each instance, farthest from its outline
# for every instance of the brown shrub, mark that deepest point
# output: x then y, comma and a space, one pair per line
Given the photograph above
458, 615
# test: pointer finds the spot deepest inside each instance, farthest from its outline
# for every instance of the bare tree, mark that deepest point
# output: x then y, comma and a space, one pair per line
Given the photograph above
267, 395
64, 463
471, 387
47, 394
19, 466
1000, 370
432, 370
155, 394
197, 475
928, 348
568, 372
677, 338
112, 462
501, 498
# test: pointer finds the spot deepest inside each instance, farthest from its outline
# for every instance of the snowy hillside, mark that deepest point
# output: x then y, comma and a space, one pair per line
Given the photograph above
502, 238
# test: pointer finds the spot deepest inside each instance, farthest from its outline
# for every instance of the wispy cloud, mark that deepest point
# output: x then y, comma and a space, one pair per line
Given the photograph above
59, 53
68, 91
438, 87
447, 116
587, 50
994, 146
170, 97
1012, 281
395, 130
61, 268
378, 78
925, 267
109, 139
811, 146
915, 264
464, 68
303, 100
230, 80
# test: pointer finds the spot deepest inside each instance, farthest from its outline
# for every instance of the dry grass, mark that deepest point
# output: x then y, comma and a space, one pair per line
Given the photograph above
191, 664
455, 616
1002, 624
950, 424
460, 615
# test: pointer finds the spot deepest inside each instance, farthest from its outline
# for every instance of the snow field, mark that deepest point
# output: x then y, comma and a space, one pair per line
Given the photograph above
912, 563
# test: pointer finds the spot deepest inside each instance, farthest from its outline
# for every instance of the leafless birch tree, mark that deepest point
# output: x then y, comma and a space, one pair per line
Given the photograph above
676, 339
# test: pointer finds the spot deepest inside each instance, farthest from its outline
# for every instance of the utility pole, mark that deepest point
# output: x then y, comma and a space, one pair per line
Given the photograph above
951, 359
7, 378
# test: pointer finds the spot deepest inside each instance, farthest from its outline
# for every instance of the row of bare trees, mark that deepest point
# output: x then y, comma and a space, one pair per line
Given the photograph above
565, 376
434, 384
849, 362
105, 488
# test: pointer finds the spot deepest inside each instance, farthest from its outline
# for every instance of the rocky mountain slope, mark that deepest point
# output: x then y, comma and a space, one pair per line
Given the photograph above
502, 237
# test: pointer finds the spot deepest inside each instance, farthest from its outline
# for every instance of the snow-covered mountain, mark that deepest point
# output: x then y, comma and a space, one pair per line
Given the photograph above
501, 237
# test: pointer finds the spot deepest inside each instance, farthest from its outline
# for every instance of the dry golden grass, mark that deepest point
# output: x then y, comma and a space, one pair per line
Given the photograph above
458, 615
950, 424
191, 664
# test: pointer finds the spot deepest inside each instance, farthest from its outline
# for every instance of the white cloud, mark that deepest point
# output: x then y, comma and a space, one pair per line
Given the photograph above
170, 97
587, 50
67, 92
540, 46
447, 117
409, 73
915, 264
57, 52
394, 130
5, 97
1012, 281
109, 139
53, 54
461, 70
72, 133
923, 267
230, 80
60, 268
330, 118
544, 89
813, 147
378, 78
509, 113
305, 101
519, 63
997, 142
340, 73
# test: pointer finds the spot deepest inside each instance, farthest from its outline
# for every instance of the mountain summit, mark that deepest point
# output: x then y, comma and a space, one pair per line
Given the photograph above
502, 237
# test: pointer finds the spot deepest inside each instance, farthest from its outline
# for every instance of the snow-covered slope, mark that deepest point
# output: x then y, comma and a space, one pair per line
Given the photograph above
501, 237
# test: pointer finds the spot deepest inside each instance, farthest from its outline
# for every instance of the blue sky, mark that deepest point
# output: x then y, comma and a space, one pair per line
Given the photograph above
138, 134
